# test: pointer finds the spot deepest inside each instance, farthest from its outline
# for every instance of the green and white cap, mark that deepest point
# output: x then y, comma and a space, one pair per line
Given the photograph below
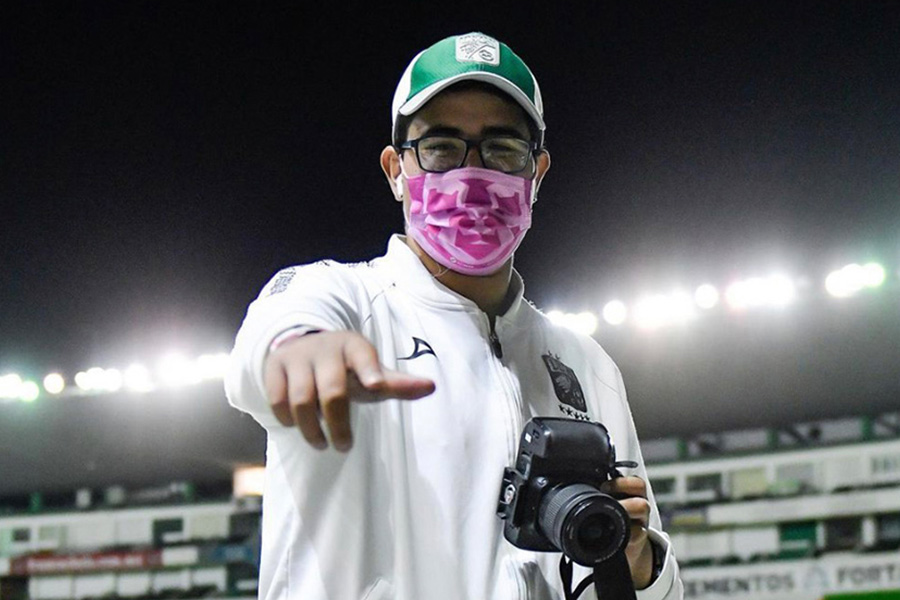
470, 57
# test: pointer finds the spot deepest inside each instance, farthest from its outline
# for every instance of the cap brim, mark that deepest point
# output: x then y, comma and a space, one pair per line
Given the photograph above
419, 100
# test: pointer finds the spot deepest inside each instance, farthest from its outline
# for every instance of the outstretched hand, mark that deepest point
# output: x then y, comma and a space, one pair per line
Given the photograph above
312, 379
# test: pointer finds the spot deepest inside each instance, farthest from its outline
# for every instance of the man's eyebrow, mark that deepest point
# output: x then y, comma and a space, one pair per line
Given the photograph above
501, 130
442, 130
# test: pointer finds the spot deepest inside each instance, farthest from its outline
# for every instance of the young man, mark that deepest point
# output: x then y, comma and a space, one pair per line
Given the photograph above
422, 366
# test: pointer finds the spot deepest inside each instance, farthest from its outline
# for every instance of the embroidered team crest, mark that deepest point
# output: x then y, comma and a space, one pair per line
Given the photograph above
566, 386
479, 48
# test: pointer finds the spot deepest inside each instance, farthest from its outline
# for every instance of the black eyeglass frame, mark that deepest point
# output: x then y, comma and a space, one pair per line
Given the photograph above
533, 150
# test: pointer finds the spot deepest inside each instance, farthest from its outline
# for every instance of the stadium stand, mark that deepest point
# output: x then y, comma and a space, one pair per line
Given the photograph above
809, 512
158, 543
805, 513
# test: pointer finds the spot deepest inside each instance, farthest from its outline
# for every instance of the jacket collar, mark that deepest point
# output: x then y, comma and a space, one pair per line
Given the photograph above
406, 271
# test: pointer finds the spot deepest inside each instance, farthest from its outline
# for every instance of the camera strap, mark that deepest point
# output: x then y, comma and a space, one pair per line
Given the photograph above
612, 579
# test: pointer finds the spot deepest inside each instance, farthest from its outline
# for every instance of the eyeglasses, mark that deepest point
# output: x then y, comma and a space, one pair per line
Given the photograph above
441, 153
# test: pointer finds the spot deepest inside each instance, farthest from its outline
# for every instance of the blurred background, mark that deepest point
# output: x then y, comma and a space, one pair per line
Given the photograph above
722, 215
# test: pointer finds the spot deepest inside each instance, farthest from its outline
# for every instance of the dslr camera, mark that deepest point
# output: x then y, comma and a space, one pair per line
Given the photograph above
550, 501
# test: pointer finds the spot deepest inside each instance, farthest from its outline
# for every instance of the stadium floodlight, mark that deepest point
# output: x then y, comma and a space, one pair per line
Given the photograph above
29, 391
780, 290
10, 384
212, 366
583, 322
649, 312
776, 290
660, 310
557, 317
92, 380
95, 379
176, 370
706, 296
840, 283
681, 307
852, 278
846, 281
82, 381
111, 380
615, 312
744, 294
873, 275
137, 378
54, 383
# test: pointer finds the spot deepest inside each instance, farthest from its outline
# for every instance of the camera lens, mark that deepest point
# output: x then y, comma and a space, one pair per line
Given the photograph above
587, 525
594, 532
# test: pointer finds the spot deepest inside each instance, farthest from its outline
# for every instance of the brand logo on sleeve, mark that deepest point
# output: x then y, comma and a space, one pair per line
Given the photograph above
567, 388
282, 280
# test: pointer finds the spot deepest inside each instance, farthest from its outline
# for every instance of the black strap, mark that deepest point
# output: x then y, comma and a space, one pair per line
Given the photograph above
565, 574
612, 579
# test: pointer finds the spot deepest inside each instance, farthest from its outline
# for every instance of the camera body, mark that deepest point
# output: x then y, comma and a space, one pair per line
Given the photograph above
550, 501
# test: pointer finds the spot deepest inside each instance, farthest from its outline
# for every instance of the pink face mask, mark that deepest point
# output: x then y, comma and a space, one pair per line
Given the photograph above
469, 220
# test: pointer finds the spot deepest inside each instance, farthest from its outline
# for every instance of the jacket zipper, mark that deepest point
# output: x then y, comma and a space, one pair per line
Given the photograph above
513, 406
496, 348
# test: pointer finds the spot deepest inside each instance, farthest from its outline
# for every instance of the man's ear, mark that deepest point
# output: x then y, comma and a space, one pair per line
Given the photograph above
542, 165
390, 165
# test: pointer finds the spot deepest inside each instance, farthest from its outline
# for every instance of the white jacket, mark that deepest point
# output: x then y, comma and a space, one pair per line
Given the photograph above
410, 512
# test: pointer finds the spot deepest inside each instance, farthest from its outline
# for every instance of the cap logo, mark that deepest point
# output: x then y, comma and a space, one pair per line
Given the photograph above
478, 48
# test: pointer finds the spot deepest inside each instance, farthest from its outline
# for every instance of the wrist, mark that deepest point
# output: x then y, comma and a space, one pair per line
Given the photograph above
648, 565
290, 334
642, 569
658, 557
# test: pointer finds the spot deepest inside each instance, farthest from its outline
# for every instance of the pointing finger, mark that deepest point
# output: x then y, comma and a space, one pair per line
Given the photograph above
404, 386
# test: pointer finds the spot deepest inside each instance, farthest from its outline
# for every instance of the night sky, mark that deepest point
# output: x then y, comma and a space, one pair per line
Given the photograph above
159, 161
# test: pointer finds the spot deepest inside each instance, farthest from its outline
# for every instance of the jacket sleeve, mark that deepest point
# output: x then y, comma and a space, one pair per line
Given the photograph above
321, 295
